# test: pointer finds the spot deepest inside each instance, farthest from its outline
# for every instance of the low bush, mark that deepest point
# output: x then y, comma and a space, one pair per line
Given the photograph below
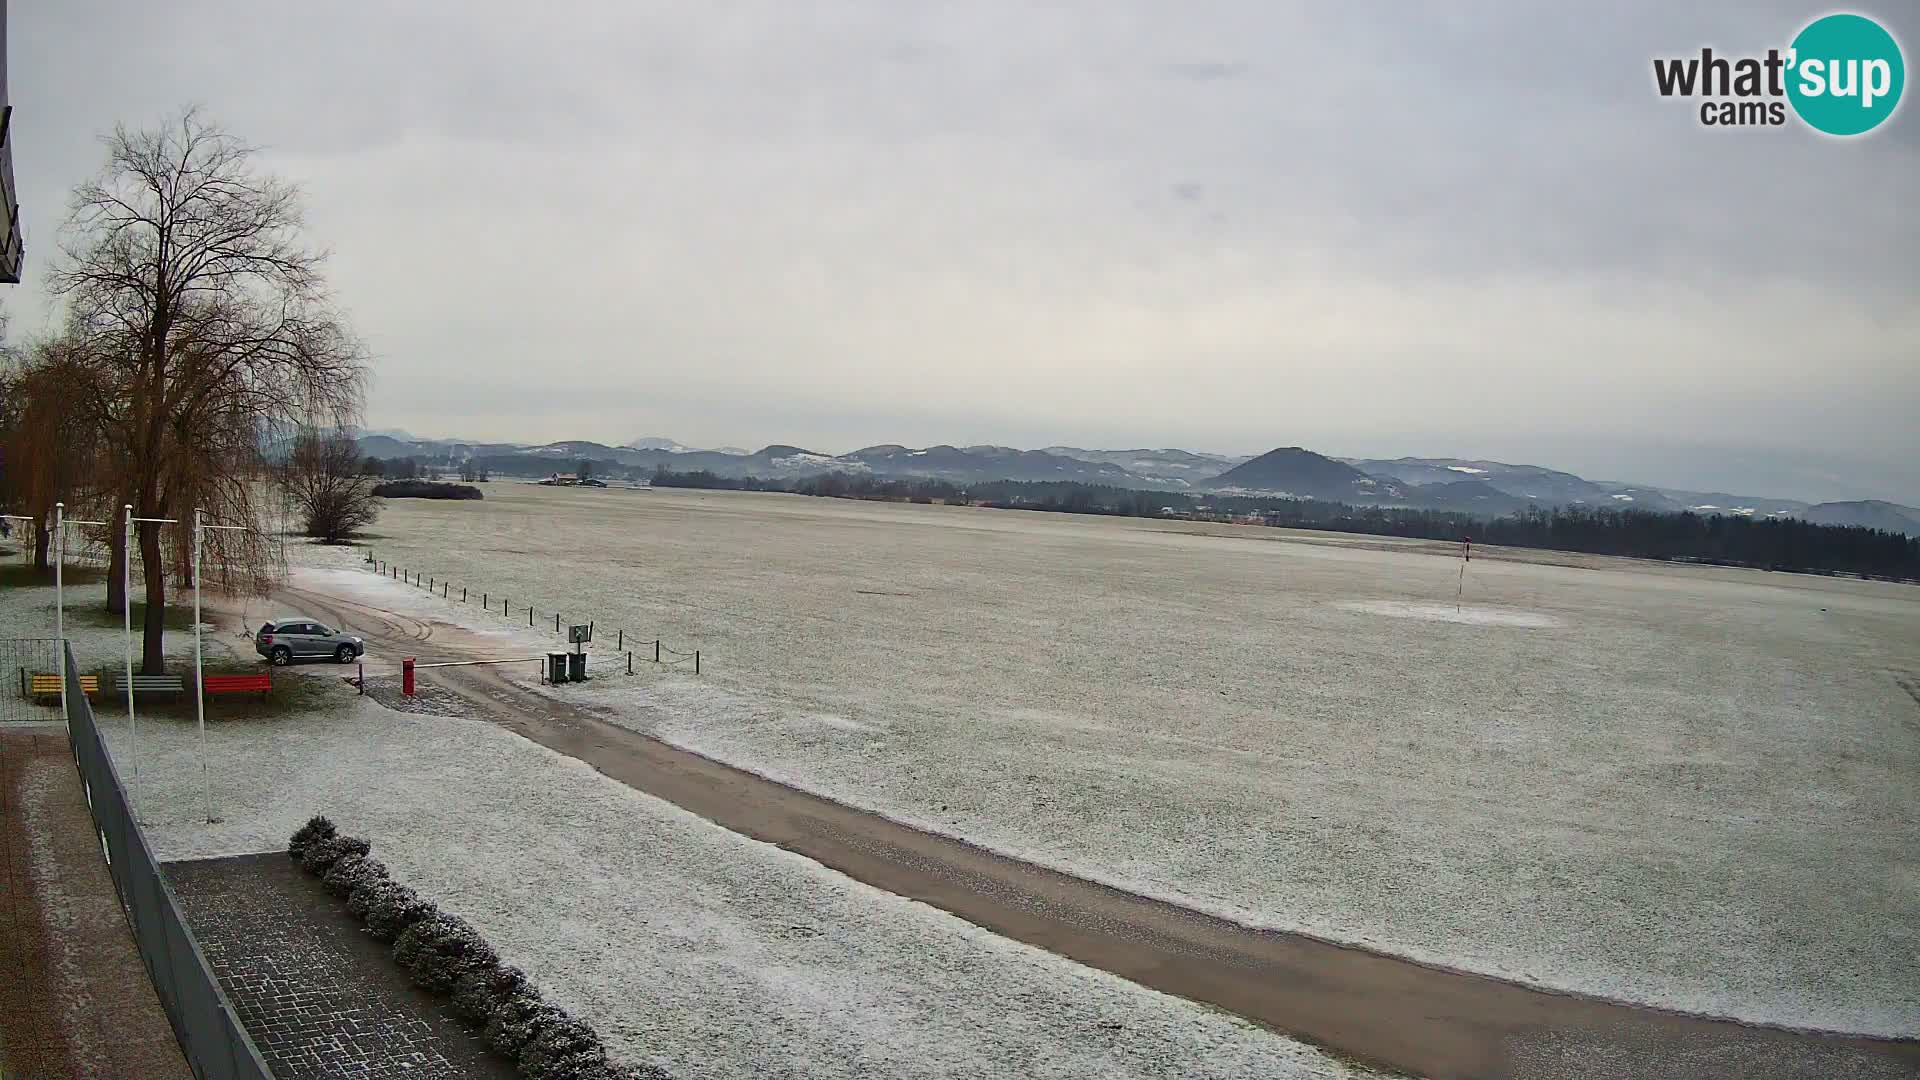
445, 954
439, 949
478, 993
349, 872
316, 828
516, 1019
560, 1049
322, 854
392, 912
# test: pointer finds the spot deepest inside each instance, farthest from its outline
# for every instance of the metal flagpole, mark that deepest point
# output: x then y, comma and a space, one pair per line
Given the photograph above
126, 630
199, 678
59, 599
59, 596
199, 689
126, 619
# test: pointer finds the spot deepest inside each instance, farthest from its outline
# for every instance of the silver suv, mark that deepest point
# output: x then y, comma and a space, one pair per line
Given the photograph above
285, 640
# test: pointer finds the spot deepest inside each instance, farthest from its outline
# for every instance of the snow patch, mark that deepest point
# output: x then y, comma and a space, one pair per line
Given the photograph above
683, 944
1468, 469
1476, 616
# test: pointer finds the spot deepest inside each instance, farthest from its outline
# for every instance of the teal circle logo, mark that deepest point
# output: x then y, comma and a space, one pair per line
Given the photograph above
1845, 74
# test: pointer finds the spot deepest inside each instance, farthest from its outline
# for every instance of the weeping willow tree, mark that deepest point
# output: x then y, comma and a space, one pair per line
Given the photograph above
50, 444
202, 318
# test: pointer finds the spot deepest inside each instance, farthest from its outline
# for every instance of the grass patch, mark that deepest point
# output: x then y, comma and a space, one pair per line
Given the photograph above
293, 692
176, 618
24, 576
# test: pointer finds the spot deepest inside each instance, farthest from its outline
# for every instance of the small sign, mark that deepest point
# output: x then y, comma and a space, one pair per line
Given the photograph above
579, 635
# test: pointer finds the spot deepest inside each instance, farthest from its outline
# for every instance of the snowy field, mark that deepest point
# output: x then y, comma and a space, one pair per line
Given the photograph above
1682, 786
682, 943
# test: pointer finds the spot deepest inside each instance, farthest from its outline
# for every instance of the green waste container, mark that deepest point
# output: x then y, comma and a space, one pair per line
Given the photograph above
556, 667
577, 667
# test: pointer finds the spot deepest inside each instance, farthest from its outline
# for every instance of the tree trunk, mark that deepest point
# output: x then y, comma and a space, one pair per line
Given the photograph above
153, 653
42, 548
117, 567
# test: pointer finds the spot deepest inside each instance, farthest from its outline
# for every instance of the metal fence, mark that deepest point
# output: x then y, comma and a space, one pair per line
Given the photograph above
216, 1045
20, 660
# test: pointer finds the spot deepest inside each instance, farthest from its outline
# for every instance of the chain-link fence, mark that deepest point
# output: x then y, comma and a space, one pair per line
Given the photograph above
216, 1045
30, 670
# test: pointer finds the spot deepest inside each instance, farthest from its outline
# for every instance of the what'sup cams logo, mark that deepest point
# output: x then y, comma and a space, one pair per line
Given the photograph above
1842, 75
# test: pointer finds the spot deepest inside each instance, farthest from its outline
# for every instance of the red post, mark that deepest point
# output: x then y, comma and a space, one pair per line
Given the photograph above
406, 676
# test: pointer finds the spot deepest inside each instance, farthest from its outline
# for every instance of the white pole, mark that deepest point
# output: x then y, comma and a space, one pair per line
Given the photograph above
126, 627
60, 599
199, 688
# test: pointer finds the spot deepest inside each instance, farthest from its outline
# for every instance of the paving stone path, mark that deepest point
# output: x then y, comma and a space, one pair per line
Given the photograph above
320, 997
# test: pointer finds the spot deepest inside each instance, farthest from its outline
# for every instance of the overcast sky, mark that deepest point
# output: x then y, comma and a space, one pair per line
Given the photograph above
1471, 231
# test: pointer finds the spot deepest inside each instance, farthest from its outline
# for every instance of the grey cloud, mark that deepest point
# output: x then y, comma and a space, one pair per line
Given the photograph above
1469, 229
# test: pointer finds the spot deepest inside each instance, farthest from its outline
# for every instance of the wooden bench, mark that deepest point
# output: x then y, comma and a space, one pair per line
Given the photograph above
46, 686
237, 684
151, 684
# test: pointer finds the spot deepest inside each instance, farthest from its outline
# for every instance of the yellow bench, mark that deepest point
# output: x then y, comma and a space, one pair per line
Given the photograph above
42, 686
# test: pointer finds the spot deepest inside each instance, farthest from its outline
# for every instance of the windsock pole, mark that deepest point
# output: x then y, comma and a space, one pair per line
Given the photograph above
1466, 556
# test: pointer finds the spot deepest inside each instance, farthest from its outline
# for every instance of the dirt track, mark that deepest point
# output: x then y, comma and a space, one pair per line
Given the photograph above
1384, 1011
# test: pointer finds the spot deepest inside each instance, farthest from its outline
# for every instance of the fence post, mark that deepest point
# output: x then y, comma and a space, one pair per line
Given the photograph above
621, 641
656, 650
529, 616
360, 679
629, 663
463, 594
556, 622
696, 661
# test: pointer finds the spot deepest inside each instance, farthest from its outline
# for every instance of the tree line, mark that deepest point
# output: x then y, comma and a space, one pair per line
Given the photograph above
1766, 543
199, 359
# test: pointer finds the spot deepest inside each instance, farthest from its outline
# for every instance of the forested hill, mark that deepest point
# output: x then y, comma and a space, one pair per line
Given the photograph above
1770, 543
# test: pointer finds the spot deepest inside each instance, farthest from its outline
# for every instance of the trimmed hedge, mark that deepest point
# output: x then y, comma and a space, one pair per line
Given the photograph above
349, 872
320, 855
445, 954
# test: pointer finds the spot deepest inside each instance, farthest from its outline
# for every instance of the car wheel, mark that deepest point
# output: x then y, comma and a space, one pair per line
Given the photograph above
282, 656
344, 654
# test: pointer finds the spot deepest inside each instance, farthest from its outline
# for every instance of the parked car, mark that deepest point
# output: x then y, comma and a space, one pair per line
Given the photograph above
285, 640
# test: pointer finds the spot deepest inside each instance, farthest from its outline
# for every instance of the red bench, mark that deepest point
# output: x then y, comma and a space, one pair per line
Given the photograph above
237, 684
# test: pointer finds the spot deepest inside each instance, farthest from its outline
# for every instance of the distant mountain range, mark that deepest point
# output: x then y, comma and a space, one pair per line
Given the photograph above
1484, 488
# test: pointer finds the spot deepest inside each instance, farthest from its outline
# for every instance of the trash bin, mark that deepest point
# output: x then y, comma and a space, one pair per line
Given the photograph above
556, 667
577, 666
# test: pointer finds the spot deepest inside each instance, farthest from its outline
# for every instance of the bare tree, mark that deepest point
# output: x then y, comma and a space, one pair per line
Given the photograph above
208, 326
323, 479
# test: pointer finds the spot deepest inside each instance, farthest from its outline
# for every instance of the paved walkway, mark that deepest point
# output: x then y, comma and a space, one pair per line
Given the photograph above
75, 1000
320, 996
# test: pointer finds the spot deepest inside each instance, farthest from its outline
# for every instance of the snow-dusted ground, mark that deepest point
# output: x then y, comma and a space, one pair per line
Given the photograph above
1683, 786
683, 943
28, 612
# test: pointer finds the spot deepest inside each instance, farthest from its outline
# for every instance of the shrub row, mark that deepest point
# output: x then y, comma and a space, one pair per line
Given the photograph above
443, 953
